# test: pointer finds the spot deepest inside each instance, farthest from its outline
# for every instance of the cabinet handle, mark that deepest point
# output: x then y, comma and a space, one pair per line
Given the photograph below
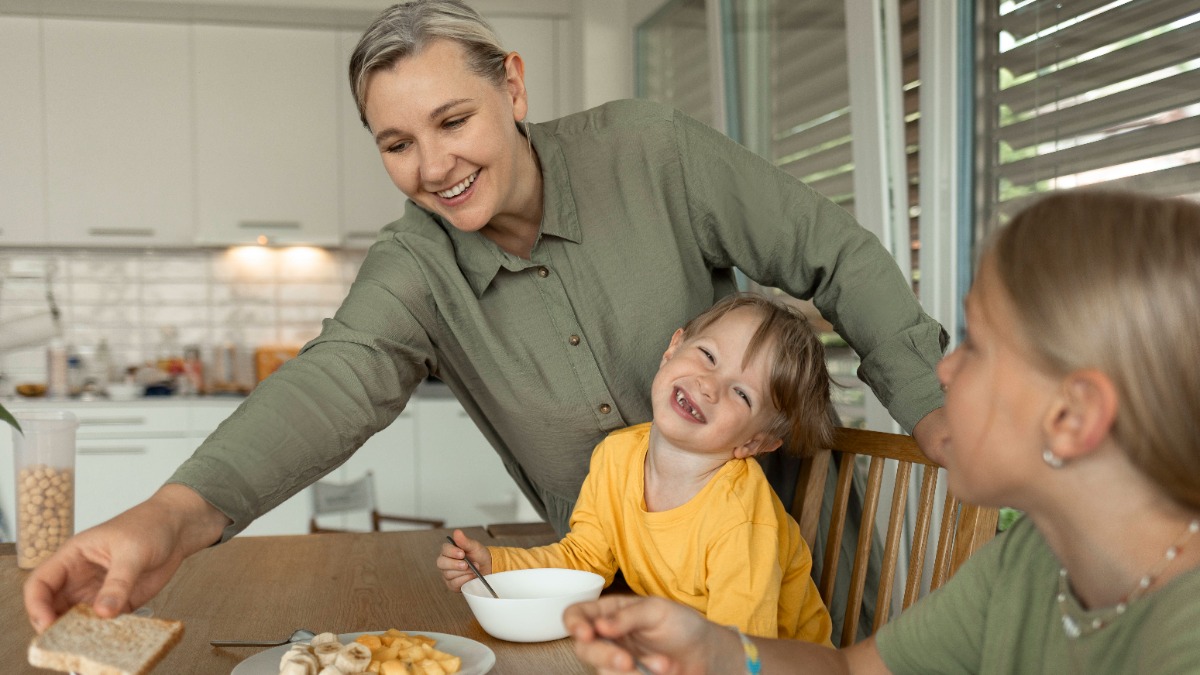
110, 421
269, 224
121, 231
115, 450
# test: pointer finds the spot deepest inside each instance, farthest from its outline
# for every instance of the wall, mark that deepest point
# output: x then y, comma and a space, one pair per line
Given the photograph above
127, 296
248, 295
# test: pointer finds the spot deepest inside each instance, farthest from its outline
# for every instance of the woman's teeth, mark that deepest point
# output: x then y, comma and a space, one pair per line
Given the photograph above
458, 189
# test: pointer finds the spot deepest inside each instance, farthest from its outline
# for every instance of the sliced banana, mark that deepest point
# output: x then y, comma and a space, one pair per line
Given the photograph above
321, 638
297, 666
292, 651
330, 670
353, 658
326, 652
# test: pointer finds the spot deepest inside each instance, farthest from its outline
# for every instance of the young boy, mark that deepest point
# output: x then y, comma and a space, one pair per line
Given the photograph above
677, 504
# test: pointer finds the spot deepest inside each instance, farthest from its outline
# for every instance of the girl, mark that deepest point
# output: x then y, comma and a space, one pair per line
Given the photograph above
1075, 398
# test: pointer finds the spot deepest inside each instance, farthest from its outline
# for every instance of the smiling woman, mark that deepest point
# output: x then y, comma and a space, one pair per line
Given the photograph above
526, 273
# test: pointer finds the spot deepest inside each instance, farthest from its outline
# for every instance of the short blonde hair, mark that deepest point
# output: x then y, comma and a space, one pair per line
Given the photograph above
405, 29
799, 383
1111, 280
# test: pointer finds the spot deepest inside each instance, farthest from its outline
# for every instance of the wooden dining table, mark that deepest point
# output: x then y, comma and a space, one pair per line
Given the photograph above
267, 587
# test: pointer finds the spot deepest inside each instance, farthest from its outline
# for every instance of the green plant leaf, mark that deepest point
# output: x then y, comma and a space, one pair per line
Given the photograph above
7, 417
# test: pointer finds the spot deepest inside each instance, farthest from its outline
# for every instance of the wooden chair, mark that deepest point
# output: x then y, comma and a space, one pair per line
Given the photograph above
962, 530
331, 498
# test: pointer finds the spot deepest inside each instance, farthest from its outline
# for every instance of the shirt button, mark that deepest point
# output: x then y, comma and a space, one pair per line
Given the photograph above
605, 408
574, 340
543, 272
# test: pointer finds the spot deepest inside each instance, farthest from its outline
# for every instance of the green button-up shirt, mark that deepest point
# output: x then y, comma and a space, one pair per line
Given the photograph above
646, 214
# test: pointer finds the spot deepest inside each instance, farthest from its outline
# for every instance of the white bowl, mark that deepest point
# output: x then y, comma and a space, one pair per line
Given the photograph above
531, 602
124, 391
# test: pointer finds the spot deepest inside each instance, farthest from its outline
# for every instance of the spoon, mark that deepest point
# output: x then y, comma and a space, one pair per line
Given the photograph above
299, 636
475, 570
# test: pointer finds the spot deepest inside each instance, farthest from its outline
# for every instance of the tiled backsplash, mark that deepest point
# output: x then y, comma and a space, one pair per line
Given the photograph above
248, 295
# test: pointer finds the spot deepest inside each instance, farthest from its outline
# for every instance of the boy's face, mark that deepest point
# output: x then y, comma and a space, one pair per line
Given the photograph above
705, 401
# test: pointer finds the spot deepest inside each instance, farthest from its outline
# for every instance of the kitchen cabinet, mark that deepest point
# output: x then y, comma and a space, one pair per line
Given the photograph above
391, 456
267, 150
22, 159
118, 136
460, 477
369, 198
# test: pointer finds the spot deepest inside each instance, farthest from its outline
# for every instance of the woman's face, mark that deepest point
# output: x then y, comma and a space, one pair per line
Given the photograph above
996, 400
447, 136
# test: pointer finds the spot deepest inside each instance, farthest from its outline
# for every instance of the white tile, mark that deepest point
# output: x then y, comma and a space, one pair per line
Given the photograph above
177, 292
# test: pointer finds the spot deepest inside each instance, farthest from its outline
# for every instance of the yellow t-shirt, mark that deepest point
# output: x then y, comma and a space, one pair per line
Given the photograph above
732, 552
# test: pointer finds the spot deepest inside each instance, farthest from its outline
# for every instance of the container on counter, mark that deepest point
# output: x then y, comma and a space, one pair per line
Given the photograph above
44, 463
57, 382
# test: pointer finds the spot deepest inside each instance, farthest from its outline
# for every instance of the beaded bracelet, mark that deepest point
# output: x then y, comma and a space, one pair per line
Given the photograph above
753, 665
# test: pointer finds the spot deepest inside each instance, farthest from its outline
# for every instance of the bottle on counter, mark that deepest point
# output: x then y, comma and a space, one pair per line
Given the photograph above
102, 365
57, 384
193, 371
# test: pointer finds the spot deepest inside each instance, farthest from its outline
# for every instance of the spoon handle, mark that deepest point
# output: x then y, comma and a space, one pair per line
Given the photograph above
474, 569
247, 643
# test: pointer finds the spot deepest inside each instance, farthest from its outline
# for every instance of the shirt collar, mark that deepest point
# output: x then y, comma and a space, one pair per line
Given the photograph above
480, 259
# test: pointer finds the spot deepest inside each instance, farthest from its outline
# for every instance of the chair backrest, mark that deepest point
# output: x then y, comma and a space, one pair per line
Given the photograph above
357, 496
962, 530
329, 498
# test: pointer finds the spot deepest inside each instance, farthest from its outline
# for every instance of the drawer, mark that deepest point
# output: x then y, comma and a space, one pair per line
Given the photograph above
131, 421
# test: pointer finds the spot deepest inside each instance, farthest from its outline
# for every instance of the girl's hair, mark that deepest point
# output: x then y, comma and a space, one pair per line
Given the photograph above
405, 29
799, 383
1111, 281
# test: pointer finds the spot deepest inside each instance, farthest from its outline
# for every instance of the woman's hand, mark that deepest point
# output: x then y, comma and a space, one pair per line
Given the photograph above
932, 433
452, 561
122, 563
666, 637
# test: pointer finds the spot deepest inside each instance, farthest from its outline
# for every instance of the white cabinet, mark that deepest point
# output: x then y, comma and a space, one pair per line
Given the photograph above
369, 198
392, 457
119, 143
113, 475
22, 158
266, 120
460, 477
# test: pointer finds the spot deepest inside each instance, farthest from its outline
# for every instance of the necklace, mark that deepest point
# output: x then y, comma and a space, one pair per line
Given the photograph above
1073, 628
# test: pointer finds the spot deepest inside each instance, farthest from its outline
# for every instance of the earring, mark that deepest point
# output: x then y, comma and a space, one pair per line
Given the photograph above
1052, 460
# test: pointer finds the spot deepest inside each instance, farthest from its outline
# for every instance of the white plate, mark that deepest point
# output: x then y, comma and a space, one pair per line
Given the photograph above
477, 658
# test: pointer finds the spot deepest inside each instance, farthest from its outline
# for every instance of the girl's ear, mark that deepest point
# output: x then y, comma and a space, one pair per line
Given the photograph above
1082, 414
761, 444
514, 82
676, 340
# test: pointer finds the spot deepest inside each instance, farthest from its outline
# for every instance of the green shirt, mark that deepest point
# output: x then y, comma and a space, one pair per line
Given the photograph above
646, 214
999, 614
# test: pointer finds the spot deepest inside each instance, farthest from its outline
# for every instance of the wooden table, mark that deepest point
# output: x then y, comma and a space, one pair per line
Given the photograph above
266, 587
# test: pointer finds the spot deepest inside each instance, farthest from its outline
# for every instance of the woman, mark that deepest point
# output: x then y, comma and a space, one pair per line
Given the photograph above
533, 272
1075, 398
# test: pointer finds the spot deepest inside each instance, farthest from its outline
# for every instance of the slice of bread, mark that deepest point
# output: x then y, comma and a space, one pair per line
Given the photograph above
82, 642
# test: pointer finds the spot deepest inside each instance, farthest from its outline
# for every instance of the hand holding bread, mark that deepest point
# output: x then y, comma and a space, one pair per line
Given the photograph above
80, 641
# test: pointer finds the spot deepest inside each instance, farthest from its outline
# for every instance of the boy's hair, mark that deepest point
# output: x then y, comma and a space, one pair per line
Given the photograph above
1111, 280
405, 29
799, 383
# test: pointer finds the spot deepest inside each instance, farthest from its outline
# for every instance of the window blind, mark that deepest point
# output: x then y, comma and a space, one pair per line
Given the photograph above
673, 58
1089, 92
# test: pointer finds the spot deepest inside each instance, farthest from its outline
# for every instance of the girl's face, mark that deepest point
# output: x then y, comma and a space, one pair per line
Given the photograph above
996, 400
448, 137
704, 400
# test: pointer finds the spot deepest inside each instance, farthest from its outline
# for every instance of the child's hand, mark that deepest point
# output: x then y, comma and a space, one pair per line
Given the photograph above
453, 560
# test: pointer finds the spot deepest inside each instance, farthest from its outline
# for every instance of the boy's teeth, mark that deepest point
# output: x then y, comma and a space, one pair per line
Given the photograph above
683, 403
458, 189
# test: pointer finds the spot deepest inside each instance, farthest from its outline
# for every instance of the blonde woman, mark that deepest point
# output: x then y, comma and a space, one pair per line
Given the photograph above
1074, 397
